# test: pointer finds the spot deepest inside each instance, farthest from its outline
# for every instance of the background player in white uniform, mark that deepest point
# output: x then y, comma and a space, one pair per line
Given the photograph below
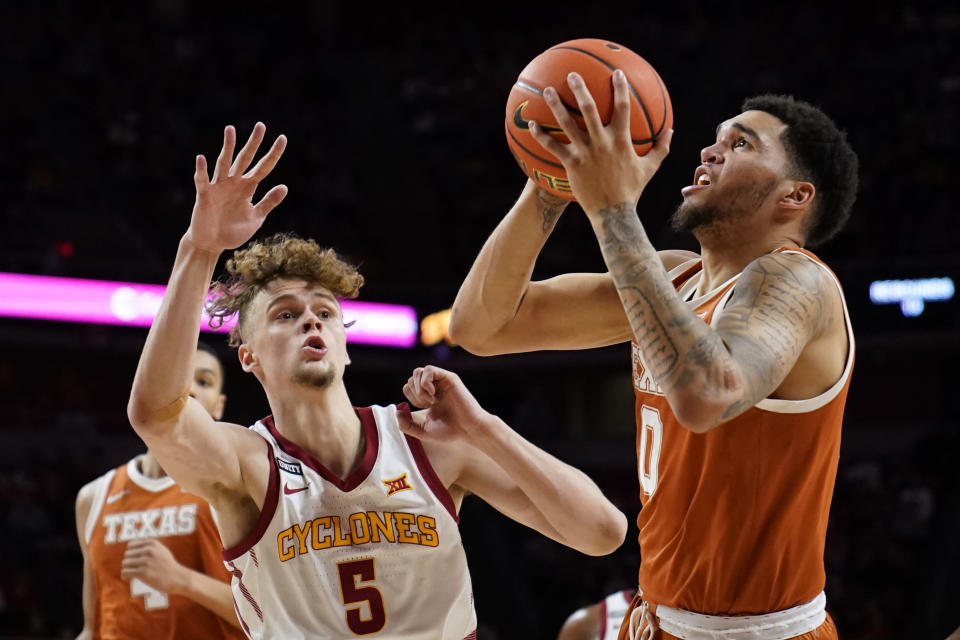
598, 621
293, 339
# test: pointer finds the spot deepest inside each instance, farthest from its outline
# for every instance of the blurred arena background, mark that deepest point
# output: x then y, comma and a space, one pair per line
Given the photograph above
397, 158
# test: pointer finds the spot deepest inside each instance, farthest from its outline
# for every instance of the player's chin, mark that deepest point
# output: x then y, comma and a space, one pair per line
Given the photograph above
314, 376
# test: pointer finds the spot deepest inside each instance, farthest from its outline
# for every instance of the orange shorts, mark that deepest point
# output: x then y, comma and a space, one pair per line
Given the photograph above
826, 631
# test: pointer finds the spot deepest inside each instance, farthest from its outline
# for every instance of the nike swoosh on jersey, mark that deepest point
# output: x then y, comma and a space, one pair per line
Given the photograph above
288, 491
113, 498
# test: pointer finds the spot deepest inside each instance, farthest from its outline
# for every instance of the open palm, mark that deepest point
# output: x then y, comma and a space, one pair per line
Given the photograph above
224, 215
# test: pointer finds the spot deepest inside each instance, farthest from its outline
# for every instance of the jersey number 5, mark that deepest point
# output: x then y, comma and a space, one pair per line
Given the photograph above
354, 593
648, 455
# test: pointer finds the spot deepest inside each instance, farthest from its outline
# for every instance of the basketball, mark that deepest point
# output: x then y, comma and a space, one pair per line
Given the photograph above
595, 60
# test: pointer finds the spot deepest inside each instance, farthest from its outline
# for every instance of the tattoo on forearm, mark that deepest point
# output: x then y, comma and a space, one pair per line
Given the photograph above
643, 286
550, 208
778, 304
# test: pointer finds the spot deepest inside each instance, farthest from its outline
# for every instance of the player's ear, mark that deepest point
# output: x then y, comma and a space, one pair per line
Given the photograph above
248, 360
800, 196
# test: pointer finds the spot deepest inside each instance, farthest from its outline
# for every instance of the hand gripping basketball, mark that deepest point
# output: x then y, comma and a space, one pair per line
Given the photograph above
601, 163
224, 216
594, 60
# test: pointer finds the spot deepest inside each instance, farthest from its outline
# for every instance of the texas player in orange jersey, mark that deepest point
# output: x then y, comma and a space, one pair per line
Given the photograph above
151, 552
742, 354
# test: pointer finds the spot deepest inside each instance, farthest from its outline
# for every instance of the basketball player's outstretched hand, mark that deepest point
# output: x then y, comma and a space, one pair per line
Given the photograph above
224, 215
601, 163
452, 411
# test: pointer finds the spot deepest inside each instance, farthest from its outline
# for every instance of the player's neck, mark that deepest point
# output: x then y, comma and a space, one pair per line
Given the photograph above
324, 423
722, 261
149, 466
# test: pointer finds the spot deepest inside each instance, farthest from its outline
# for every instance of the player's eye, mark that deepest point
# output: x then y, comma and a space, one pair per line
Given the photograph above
326, 315
285, 315
741, 143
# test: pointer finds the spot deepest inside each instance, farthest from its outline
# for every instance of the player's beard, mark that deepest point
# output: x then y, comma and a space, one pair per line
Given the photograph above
722, 209
312, 377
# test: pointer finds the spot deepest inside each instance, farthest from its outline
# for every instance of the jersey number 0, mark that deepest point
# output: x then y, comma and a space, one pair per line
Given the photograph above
648, 454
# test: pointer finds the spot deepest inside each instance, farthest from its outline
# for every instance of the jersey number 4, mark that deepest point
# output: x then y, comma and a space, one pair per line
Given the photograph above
352, 576
648, 455
152, 599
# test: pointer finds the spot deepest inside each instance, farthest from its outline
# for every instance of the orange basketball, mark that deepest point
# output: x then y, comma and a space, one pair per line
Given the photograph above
595, 61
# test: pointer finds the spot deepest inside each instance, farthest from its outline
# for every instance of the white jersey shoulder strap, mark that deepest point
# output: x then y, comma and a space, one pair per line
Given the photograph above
100, 487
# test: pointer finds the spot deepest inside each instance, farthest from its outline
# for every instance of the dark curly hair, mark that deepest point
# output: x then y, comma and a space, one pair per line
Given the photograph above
819, 153
283, 255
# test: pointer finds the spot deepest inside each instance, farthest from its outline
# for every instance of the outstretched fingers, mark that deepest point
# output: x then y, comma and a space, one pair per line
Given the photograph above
201, 179
272, 198
245, 157
222, 168
266, 164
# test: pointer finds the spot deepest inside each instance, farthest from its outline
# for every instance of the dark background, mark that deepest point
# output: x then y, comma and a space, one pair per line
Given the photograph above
397, 158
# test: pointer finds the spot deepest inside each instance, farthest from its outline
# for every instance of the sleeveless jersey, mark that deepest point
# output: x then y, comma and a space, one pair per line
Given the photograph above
734, 520
131, 506
612, 610
378, 553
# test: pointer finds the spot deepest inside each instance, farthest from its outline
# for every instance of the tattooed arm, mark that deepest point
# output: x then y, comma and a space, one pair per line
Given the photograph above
710, 375
781, 302
499, 310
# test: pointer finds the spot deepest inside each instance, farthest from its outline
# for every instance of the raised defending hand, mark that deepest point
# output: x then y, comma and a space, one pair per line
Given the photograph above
224, 216
151, 561
452, 411
601, 163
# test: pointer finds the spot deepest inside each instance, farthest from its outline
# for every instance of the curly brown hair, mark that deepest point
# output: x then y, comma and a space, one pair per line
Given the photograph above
283, 255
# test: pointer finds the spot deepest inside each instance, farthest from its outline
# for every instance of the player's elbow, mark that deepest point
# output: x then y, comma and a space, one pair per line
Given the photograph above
467, 332
144, 417
608, 534
697, 414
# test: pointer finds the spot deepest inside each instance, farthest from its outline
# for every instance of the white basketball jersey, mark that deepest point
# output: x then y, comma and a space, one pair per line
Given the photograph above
377, 554
612, 610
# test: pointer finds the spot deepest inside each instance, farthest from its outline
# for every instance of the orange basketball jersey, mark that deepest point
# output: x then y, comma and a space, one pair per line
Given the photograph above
130, 506
734, 520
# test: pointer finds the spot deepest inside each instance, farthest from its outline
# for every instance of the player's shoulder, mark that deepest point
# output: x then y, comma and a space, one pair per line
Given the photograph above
800, 268
245, 438
88, 491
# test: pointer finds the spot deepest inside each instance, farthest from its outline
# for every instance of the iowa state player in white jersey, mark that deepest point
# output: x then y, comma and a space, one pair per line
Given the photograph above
335, 524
